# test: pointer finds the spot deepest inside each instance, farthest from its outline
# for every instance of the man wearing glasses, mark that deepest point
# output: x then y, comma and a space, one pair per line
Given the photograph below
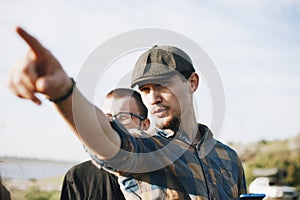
126, 106
85, 180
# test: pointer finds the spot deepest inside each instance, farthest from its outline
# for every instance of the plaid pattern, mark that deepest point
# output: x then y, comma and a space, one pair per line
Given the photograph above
208, 170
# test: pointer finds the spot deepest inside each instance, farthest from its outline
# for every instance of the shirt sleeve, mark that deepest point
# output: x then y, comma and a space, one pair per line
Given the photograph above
135, 152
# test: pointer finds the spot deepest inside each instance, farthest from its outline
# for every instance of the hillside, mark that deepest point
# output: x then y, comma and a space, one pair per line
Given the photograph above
282, 154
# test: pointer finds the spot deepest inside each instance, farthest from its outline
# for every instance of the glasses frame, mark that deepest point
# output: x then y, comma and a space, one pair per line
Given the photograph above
131, 114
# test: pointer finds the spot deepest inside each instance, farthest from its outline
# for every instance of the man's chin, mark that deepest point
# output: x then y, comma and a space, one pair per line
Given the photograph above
167, 123
159, 123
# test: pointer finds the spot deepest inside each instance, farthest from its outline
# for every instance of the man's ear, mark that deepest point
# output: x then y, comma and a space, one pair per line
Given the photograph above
145, 124
194, 82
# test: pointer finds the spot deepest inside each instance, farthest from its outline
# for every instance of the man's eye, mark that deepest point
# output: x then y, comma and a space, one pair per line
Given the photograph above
145, 89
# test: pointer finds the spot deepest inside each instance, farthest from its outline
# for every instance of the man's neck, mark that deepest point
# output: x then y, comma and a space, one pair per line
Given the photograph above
190, 133
189, 127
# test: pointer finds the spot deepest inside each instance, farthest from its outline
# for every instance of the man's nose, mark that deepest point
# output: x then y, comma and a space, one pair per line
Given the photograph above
155, 97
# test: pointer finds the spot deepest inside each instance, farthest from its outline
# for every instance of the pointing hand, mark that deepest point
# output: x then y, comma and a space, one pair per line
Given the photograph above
38, 72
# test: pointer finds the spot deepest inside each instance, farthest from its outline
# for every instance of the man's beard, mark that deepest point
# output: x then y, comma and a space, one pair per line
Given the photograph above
172, 124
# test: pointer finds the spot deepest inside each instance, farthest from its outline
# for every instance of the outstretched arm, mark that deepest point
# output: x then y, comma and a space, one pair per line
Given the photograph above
40, 72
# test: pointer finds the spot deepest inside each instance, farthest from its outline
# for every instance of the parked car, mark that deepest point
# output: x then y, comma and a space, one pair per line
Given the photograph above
267, 186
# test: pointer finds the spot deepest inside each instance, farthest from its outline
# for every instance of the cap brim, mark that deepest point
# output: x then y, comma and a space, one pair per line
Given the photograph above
151, 79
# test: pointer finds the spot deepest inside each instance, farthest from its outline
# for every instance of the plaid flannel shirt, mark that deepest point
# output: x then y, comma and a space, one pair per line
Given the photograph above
207, 170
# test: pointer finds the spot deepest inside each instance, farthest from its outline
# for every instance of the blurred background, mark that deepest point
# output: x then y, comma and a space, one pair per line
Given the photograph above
255, 46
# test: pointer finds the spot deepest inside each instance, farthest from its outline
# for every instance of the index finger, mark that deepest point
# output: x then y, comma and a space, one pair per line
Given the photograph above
33, 43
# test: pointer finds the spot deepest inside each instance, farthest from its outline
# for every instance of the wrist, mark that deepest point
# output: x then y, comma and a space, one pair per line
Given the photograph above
66, 95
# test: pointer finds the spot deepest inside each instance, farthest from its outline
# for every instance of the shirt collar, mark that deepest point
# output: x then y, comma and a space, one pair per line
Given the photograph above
206, 134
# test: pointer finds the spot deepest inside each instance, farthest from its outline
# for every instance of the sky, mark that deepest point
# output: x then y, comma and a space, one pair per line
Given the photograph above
254, 45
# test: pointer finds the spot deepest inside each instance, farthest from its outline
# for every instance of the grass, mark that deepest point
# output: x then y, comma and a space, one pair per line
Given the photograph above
35, 193
42, 189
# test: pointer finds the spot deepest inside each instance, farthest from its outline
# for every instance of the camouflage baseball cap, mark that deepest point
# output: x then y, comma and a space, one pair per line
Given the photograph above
160, 62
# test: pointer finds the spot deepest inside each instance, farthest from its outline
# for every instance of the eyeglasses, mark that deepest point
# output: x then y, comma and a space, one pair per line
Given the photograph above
125, 117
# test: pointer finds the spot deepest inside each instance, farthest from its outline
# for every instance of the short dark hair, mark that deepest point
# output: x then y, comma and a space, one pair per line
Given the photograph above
126, 92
